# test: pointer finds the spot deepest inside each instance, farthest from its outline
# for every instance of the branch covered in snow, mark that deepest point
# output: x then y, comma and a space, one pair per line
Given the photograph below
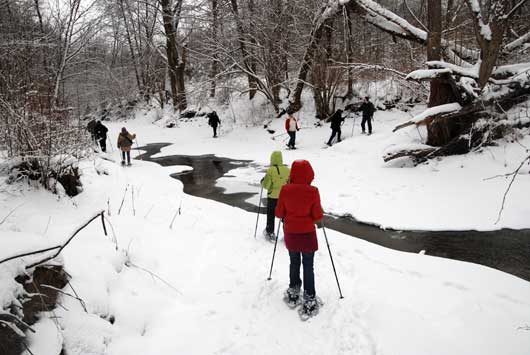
427, 74
518, 42
428, 115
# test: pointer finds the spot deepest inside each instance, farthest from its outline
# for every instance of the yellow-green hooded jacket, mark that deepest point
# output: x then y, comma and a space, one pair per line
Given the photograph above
277, 175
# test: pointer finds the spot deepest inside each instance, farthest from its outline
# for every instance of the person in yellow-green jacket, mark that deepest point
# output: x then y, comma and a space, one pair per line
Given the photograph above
276, 176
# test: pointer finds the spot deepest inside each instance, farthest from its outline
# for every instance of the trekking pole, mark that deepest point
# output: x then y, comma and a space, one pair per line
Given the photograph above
259, 208
138, 149
274, 252
278, 135
331, 257
353, 127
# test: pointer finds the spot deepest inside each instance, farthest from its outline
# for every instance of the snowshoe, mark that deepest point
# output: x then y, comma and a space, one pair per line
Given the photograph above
310, 307
292, 297
122, 163
269, 236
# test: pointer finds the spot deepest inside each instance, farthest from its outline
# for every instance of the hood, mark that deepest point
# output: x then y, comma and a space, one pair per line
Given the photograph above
276, 158
301, 172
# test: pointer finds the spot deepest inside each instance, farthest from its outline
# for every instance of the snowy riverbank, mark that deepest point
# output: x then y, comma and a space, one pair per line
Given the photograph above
396, 303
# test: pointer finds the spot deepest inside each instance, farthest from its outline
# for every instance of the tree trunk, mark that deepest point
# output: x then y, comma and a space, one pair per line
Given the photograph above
441, 91
176, 68
309, 55
252, 85
131, 47
214, 65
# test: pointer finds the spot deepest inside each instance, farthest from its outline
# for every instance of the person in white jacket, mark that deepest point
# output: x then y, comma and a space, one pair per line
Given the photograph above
291, 126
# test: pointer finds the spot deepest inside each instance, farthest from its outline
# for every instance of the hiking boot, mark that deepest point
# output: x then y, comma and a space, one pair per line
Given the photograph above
292, 297
122, 163
269, 236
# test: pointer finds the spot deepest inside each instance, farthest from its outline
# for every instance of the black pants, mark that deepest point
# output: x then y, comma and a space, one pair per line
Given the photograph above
368, 120
292, 139
214, 131
334, 131
103, 144
306, 259
128, 154
271, 207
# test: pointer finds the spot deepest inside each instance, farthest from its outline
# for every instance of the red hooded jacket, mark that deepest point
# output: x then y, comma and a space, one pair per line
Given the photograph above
299, 206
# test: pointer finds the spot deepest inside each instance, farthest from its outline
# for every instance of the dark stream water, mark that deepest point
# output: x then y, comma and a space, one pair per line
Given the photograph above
506, 249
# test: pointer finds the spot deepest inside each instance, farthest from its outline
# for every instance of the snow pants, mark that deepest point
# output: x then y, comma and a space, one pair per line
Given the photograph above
271, 207
214, 131
126, 154
306, 259
292, 139
367, 119
334, 132
103, 144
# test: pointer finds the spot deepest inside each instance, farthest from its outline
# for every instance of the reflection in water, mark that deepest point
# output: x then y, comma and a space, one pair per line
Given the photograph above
507, 250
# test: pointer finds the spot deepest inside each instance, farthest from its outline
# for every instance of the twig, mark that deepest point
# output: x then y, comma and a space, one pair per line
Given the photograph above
154, 276
61, 247
132, 199
29, 253
27, 348
115, 239
514, 175
10, 213
176, 212
47, 225
123, 199
108, 206
83, 304
149, 211
9, 318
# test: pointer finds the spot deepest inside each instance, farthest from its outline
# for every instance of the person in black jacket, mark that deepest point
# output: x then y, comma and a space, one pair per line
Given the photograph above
101, 135
214, 121
368, 110
336, 121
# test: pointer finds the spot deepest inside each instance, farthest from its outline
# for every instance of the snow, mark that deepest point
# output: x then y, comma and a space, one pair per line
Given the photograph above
210, 294
423, 74
471, 72
437, 110
224, 303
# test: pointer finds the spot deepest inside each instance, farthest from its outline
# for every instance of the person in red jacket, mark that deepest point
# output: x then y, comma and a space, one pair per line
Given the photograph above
299, 207
291, 126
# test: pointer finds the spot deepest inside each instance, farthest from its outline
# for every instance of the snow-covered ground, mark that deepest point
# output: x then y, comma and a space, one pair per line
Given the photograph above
200, 286
453, 193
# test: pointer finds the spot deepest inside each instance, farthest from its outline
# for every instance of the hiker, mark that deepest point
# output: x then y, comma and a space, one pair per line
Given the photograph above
336, 121
276, 176
125, 142
101, 135
91, 127
368, 109
299, 207
214, 121
291, 126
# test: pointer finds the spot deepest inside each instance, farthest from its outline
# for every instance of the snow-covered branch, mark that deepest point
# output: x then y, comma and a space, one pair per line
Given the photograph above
429, 114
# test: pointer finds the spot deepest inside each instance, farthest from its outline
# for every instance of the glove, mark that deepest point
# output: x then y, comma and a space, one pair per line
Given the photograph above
319, 225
